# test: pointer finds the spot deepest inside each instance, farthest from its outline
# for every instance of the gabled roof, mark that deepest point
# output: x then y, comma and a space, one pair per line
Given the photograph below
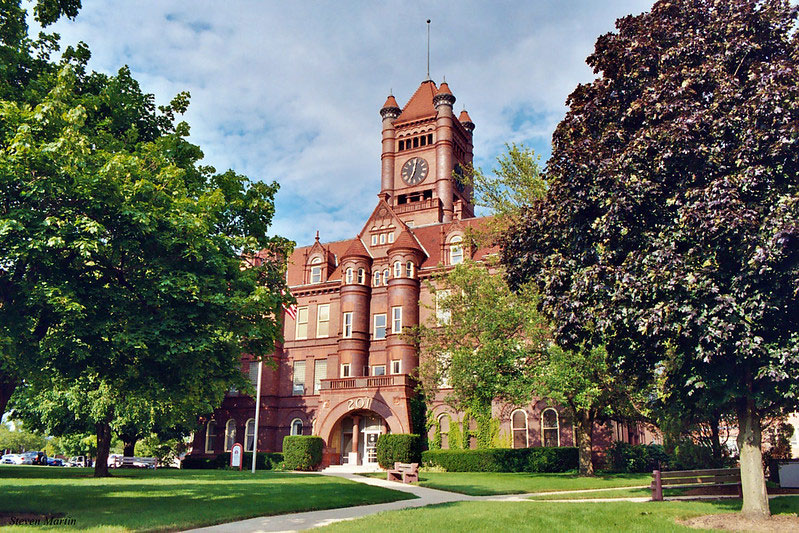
420, 105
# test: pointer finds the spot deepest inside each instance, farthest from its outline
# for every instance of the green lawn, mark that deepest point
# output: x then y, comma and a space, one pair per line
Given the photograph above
620, 493
173, 499
491, 483
650, 517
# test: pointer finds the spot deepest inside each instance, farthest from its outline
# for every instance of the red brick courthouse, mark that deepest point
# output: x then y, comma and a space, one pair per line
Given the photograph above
343, 371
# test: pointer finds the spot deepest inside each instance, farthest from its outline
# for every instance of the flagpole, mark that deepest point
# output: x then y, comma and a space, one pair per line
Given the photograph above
257, 414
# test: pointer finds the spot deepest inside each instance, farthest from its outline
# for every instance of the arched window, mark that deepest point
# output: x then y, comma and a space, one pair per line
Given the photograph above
518, 424
443, 424
296, 427
249, 435
210, 436
550, 430
409, 269
361, 276
397, 269
316, 271
376, 279
349, 276
456, 251
230, 434
385, 277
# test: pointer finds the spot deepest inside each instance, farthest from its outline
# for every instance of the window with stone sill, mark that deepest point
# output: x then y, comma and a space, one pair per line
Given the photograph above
210, 436
347, 325
550, 428
380, 326
345, 370
396, 320
361, 276
323, 320
518, 421
249, 435
230, 434
302, 323
397, 269
396, 366
379, 370
456, 251
348, 277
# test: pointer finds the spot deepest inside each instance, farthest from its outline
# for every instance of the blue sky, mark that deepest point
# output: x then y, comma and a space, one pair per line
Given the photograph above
290, 91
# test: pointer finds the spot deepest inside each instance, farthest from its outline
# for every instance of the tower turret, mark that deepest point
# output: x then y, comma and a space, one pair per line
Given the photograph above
405, 256
390, 111
443, 102
356, 292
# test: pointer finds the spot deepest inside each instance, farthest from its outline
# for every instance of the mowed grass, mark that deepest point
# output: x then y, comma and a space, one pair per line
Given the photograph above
613, 493
141, 500
649, 517
494, 483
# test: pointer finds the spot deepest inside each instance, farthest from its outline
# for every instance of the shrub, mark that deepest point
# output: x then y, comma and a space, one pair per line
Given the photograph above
263, 461
503, 460
625, 457
302, 452
398, 447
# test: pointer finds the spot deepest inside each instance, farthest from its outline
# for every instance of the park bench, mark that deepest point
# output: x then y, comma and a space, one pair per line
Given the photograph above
405, 472
684, 479
138, 462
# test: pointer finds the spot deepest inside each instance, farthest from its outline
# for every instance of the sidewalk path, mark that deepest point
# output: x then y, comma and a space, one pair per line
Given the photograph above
311, 519
424, 496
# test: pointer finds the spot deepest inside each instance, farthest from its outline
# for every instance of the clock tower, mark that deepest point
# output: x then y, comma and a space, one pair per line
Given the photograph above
425, 149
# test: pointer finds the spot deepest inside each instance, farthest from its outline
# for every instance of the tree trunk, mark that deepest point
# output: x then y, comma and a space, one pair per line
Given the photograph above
7, 387
103, 447
585, 441
715, 439
129, 445
753, 480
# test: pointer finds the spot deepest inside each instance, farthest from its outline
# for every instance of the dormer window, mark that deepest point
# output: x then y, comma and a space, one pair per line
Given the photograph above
374, 240
348, 278
456, 251
316, 270
391, 237
382, 238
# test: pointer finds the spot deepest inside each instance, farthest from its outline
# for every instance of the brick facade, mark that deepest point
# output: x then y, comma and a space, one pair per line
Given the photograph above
354, 297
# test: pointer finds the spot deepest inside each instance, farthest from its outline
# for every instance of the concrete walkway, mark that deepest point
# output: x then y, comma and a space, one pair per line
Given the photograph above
424, 496
311, 519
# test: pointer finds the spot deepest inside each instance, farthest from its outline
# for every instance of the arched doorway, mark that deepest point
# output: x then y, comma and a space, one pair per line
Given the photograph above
357, 434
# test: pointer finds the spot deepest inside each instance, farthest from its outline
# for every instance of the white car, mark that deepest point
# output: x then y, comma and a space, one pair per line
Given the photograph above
11, 459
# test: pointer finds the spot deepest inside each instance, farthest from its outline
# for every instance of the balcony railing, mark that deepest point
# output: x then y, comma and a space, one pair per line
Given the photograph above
417, 206
366, 382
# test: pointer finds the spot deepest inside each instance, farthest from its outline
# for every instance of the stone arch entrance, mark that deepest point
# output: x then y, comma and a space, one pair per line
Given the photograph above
351, 429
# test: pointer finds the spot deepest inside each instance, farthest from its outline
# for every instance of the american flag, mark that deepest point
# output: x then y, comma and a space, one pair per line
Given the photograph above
290, 310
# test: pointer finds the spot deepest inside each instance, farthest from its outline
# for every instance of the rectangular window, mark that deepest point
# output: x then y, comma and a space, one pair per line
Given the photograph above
382, 238
396, 320
345, 370
298, 380
302, 323
374, 239
396, 366
380, 326
319, 373
379, 370
254, 374
323, 320
347, 331
391, 237
443, 313
316, 274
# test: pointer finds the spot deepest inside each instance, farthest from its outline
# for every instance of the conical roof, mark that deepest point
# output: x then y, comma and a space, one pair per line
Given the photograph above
391, 102
444, 89
405, 241
421, 103
356, 249
464, 117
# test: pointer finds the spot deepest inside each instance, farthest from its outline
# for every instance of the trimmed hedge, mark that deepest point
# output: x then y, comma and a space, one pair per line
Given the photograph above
398, 447
625, 457
263, 461
543, 460
302, 452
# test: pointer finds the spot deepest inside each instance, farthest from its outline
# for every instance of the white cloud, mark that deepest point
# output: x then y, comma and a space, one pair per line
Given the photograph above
290, 91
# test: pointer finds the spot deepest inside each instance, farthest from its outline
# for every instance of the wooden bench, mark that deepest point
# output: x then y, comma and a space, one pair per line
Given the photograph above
138, 462
684, 479
405, 472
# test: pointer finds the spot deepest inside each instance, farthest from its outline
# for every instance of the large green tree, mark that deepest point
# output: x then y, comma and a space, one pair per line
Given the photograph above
671, 222
122, 281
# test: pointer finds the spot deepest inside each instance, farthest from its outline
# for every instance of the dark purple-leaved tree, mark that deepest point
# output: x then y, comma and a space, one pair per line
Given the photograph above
670, 228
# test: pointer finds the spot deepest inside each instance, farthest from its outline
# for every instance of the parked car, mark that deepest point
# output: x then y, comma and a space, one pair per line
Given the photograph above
34, 458
52, 461
78, 461
11, 459
114, 460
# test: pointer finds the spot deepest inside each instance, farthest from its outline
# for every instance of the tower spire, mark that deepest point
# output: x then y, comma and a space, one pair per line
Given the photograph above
428, 49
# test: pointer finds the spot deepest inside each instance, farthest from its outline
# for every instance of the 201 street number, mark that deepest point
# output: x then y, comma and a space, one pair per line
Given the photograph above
359, 403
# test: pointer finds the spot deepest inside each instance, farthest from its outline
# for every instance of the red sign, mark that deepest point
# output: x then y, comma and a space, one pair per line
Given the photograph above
236, 455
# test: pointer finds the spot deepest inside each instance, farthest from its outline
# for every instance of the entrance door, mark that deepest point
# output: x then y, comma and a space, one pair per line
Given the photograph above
371, 447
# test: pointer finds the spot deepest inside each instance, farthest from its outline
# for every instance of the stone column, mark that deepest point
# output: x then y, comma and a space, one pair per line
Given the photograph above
356, 436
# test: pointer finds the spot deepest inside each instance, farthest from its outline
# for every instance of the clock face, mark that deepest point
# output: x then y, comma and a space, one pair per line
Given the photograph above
414, 170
